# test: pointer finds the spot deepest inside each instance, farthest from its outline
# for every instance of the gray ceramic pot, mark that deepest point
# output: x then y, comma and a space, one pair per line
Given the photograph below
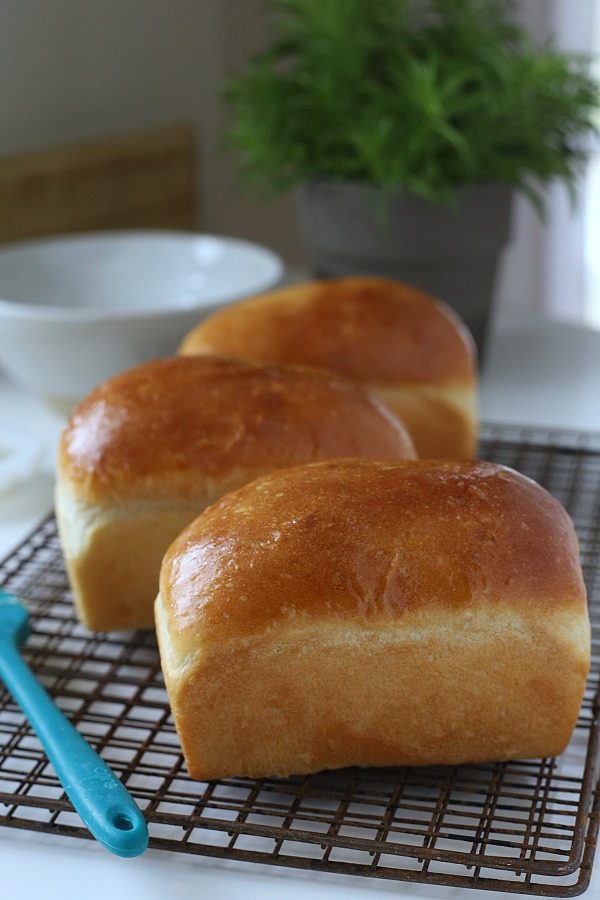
453, 255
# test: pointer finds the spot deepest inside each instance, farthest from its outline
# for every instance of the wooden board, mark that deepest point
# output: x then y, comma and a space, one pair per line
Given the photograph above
142, 180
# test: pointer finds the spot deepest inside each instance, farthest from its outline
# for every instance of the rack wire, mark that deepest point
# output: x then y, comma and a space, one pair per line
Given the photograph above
525, 827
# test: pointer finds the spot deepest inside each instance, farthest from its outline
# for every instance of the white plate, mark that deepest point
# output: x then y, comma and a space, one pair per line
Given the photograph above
130, 272
20, 457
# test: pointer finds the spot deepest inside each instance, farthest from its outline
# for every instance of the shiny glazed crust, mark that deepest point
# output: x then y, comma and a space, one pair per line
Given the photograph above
410, 350
369, 613
148, 450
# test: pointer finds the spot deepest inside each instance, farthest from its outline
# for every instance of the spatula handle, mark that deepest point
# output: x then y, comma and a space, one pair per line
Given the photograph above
103, 803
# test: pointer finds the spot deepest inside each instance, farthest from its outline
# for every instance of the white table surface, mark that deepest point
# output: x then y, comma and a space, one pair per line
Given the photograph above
537, 372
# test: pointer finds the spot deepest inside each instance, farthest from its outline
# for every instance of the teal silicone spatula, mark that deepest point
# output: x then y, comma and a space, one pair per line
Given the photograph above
104, 805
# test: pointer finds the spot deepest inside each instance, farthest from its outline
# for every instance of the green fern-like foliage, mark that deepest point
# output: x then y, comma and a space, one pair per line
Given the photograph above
420, 95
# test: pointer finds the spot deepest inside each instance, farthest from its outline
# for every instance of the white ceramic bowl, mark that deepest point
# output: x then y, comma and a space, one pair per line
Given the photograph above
77, 309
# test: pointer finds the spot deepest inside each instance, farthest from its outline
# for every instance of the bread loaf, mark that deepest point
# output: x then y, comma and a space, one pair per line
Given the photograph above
358, 612
149, 449
393, 339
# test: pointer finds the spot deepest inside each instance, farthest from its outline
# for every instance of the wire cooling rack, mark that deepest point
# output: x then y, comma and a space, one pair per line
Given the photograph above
526, 827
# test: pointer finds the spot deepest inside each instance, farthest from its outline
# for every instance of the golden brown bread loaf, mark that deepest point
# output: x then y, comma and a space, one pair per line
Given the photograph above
149, 449
358, 612
395, 340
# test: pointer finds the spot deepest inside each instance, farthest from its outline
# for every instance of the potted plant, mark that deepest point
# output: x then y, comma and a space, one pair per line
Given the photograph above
407, 126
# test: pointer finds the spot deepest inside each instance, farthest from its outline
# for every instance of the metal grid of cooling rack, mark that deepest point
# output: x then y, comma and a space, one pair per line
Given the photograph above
526, 827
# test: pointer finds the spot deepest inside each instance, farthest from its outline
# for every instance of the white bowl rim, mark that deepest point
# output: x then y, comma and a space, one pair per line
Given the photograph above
20, 310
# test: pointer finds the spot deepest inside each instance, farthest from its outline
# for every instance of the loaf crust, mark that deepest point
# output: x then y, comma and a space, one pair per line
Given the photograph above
358, 612
149, 449
410, 350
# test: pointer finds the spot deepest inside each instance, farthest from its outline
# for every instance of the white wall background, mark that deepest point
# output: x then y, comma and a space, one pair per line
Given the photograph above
72, 69
549, 265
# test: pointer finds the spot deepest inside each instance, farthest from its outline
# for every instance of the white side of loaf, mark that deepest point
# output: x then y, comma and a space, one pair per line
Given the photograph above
464, 688
441, 419
113, 555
